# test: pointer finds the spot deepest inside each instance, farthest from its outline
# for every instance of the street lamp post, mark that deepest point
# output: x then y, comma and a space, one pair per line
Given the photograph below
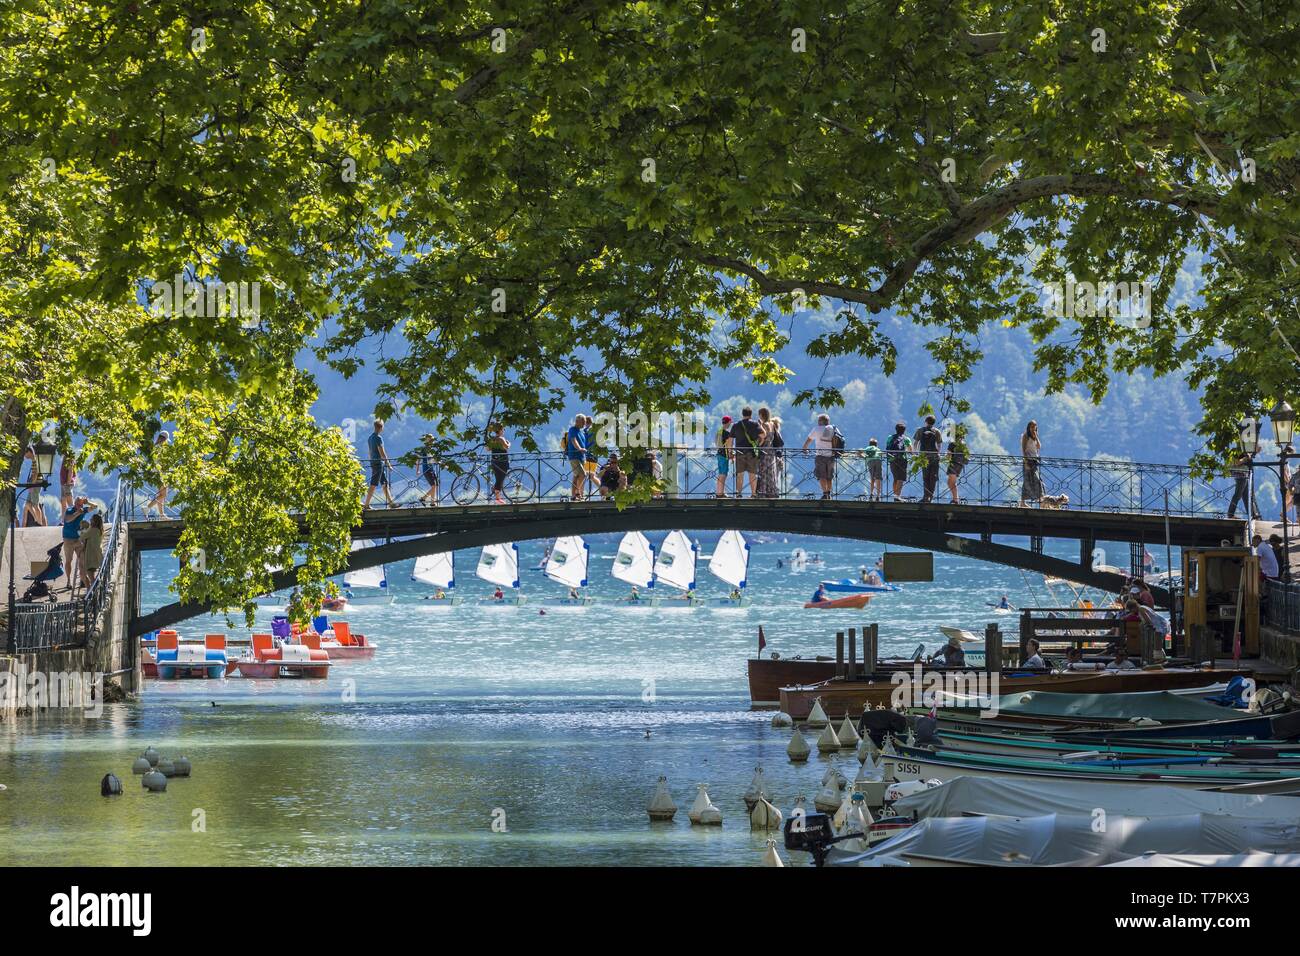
43, 452
1283, 417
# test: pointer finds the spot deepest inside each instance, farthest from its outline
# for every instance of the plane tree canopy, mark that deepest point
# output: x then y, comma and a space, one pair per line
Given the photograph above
609, 200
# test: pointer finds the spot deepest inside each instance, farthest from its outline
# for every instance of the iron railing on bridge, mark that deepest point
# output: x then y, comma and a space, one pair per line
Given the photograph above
41, 626
993, 480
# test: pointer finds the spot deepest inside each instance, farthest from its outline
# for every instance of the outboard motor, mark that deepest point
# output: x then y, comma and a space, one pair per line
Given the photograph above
814, 833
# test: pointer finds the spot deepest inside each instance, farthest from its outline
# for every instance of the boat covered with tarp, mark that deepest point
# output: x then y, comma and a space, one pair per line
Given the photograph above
1070, 839
1025, 798
1160, 706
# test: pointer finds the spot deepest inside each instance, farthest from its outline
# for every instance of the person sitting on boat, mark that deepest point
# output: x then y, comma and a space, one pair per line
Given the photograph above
873, 577
440, 595
951, 654
1034, 659
1121, 662
735, 594
573, 594
819, 595
1004, 604
636, 595
1074, 661
498, 595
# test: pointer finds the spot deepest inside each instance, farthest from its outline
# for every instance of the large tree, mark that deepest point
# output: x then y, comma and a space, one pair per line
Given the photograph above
603, 199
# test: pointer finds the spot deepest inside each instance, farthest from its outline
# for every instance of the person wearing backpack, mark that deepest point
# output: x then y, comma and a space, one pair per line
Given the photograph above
823, 438
746, 439
929, 442
897, 449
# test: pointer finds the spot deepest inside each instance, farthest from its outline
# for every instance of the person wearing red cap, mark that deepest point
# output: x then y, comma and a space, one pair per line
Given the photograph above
724, 456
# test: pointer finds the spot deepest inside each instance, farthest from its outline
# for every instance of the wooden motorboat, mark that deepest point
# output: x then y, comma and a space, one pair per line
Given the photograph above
839, 697
767, 677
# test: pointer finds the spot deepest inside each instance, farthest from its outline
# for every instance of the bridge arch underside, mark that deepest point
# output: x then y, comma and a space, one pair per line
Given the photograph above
963, 530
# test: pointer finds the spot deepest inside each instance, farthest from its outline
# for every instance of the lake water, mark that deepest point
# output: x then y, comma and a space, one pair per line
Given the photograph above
470, 716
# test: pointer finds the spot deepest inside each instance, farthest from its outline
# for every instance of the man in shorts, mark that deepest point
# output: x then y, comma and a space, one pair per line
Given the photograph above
745, 438
897, 449
822, 437
575, 449
591, 465
379, 464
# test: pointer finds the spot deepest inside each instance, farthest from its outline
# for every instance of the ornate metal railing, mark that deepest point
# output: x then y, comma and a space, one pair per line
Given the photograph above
1282, 605
992, 480
43, 626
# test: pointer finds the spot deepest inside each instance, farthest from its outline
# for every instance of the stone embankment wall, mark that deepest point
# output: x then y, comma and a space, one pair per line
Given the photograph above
109, 651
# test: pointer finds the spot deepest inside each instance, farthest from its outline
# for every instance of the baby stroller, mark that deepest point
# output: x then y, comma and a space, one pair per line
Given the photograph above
40, 587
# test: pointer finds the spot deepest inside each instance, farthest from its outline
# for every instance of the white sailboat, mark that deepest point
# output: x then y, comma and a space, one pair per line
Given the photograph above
635, 564
366, 586
499, 564
675, 567
566, 563
438, 571
730, 563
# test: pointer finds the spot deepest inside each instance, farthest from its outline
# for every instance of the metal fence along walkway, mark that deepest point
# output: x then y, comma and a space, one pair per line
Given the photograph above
1098, 485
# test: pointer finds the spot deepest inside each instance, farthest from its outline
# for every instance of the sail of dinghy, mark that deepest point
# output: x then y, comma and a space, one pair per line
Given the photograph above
730, 561
568, 560
635, 560
499, 564
675, 563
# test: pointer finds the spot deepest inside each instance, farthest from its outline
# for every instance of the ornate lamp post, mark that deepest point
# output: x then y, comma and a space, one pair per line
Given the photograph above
44, 455
1283, 418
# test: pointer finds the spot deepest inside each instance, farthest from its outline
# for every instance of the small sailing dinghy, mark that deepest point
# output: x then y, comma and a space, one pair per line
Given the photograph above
438, 571
635, 564
364, 586
499, 564
675, 567
730, 563
566, 564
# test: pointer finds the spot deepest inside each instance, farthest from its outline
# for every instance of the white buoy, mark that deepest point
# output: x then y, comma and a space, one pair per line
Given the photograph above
756, 790
911, 738
764, 816
151, 755
661, 802
154, 782
702, 811
828, 742
183, 766
782, 719
141, 765
866, 747
817, 717
848, 734
868, 771
798, 749
166, 767
832, 772
829, 796
771, 857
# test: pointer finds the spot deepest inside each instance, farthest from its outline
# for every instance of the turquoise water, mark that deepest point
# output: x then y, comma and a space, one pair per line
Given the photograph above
466, 716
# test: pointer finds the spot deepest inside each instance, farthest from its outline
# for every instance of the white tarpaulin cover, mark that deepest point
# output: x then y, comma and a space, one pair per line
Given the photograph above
1030, 798
675, 565
635, 560
1059, 839
436, 569
567, 564
730, 561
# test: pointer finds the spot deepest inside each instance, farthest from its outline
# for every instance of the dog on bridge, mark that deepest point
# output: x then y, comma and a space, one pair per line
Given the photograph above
1055, 502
